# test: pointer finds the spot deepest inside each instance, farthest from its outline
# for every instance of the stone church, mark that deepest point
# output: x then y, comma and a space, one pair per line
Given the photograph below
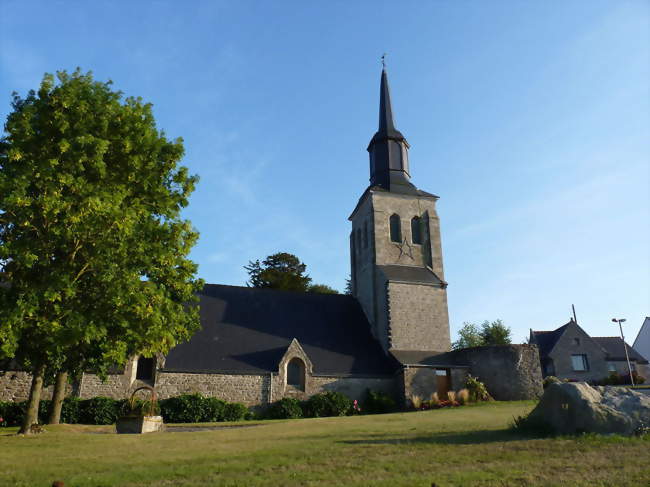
392, 335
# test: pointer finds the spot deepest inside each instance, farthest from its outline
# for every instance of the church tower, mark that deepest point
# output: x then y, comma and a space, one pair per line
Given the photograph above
395, 250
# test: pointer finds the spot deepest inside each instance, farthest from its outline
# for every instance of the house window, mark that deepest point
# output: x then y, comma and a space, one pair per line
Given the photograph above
579, 363
395, 229
416, 230
359, 239
576, 342
296, 373
145, 369
611, 367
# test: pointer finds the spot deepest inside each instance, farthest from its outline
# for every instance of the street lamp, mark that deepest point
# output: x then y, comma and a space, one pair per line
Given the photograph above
627, 357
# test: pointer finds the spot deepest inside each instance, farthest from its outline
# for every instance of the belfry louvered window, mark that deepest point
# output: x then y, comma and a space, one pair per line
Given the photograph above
395, 228
416, 230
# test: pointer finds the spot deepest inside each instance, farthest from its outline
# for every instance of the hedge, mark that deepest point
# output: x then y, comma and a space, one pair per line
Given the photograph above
188, 408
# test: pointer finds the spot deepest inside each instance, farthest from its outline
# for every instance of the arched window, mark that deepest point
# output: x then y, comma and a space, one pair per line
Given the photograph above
395, 228
365, 235
296, 373
416, 230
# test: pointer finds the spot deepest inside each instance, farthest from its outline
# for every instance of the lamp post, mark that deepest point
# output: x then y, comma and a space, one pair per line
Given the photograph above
627, 357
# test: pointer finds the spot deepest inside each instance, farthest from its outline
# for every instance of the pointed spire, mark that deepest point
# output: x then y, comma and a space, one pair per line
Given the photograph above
386, 123
388, 148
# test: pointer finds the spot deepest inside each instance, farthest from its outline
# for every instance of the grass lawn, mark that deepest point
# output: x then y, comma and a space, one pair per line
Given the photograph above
463, 446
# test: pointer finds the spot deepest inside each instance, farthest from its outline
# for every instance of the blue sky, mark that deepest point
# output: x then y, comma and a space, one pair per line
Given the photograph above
531, 120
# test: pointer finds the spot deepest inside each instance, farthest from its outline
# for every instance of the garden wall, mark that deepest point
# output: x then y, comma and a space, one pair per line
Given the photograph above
510, 372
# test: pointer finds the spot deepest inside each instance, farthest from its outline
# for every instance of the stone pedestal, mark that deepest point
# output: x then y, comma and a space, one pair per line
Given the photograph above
139, 424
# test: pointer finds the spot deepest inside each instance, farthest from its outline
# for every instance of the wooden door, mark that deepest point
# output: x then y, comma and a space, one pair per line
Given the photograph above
444, 383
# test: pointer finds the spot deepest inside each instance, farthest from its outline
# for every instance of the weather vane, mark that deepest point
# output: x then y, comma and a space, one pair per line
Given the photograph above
383, 60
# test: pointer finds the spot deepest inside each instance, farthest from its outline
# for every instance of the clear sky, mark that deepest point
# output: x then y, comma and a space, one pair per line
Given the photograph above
530, 119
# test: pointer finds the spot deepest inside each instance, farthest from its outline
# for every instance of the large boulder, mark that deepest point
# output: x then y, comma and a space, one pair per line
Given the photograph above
576, 407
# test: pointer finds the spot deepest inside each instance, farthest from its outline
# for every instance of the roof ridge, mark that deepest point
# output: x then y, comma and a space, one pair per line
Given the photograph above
286, 291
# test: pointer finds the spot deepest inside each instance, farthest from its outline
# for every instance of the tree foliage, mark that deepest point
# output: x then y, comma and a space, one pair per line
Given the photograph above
322, 289
279, 271
91, 239
490, 333
495, 333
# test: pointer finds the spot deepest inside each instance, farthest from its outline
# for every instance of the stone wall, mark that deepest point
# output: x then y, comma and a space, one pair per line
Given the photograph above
510, 372
355, 387
250, 389
15, 385
418, 317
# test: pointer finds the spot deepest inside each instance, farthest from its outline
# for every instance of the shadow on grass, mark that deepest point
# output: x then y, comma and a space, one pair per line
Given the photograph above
459, 438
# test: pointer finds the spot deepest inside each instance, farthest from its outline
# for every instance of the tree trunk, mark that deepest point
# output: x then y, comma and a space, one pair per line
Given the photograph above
57, 398
31, 415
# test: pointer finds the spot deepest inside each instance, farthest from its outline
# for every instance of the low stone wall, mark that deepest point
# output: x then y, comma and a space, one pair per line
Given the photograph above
116, 386
354, 387
250, 390
15, 385
510, 372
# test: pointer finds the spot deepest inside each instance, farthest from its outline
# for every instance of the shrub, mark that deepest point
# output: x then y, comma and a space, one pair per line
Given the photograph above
327, 404
99, 410
616, 379
285, 408
213, 409
416, 401
186, 408
70, 410
435, 400
477, 390
551, 379
451, 396
234, 411
12, 412
378, 402
136, 406
463, 396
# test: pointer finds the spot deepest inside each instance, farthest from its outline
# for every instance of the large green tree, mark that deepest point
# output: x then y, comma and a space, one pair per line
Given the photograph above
92, 244
279, 271
283, 270
489, 333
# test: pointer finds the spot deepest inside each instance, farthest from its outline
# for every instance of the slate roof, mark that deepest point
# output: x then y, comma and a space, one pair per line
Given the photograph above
248, 330
546, 340
612, 346
403, 273
425, 358
615, 351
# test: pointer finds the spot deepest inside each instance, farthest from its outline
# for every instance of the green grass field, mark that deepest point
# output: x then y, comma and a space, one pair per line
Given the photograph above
464, 446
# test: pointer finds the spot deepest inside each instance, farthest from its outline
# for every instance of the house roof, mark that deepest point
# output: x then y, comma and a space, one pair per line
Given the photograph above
546, 340
404, 273
248, 330
615, 351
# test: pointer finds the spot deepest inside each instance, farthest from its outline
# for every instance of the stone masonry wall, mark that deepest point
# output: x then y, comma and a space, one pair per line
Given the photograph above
510, 372
248, 389
354, 387
15, 385
384, 205
418, 317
